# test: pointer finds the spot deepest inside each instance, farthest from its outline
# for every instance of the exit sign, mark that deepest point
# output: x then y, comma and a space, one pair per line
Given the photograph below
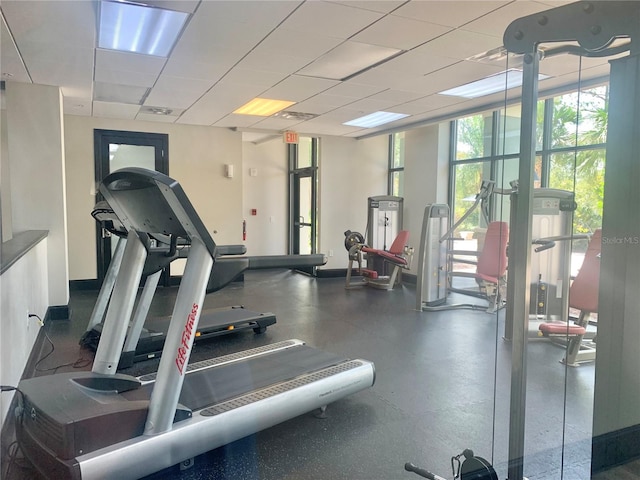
290, 137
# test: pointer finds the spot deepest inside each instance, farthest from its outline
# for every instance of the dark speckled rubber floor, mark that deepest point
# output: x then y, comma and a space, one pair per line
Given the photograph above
442, 385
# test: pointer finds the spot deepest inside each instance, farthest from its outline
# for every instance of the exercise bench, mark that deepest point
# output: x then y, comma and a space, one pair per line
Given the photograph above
398, 257
583, 296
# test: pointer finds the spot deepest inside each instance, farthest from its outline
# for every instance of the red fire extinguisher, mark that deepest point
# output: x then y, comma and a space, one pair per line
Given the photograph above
244, 230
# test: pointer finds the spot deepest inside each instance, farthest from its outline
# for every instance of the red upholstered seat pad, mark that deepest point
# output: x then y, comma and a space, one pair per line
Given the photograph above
561, 328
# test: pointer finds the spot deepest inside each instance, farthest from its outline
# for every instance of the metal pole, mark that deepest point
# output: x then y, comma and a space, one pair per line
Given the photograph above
107, 285
520, 266
177, 347
120, 307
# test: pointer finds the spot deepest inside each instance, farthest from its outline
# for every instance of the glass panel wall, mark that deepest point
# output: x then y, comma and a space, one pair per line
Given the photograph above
396, 164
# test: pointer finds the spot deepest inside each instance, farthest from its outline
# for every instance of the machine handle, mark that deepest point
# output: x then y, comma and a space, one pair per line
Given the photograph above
410, 467
544, 245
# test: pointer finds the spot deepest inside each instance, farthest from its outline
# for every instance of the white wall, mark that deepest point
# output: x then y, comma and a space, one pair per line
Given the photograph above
24, 287
267, 193
5, 184
35, 135
350, 172
197, 156
426, 177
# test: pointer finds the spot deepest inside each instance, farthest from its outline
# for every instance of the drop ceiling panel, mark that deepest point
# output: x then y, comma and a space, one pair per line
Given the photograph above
417, 62
496, 22
274, 123
257, 78
371, 105
262, 12
353, 89
232, 51
399, 32
297, 88
453, 76
307, 45
12, 66
461, 44
396, 96
128, 62
187, 6
330, 19
77, 106
315, 105
187, 66
175, 92
70, 23
115, 110
121, 77
426, 104
109, 92
259, 59
73, 71
151, 117
447, 12
384, 78
382, 6
239, 121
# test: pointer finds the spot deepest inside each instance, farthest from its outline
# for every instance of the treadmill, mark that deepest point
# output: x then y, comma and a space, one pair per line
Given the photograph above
146, 336
103, 424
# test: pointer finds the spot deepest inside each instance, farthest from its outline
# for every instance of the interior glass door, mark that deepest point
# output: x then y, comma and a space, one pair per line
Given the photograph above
115, 150
303, 174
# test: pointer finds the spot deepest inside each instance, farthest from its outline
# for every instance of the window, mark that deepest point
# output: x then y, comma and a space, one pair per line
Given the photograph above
571, 137
396, 164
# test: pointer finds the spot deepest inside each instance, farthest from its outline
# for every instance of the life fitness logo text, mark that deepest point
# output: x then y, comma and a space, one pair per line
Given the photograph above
187, 333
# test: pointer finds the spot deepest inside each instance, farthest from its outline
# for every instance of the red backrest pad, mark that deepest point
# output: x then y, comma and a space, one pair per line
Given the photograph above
492, 260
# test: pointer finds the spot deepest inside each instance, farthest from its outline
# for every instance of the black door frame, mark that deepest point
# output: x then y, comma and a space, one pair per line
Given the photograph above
101, 141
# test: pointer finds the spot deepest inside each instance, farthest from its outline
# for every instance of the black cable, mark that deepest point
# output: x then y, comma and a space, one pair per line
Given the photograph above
80, 362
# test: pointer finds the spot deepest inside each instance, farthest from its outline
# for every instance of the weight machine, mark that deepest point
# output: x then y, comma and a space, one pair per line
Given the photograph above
436, 257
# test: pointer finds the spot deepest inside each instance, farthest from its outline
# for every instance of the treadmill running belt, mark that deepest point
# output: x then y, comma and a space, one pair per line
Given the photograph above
211, 386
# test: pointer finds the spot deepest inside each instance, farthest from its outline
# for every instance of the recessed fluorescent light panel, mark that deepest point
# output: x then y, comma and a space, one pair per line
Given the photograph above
347, 60
139, 29
263, 107
492, 84
375, 119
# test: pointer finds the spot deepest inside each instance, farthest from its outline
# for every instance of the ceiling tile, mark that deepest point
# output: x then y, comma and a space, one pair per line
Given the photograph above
297, 88
121, 77
396, 96
382, 6
399, 32
453, 76
417, 62
239, 121
150, 117
12, 67
330, 19
426, 104
39, 21
353, 89
447, 12
257, 78
461, 44
127, 61
77, 106
297, 43
186, 66
370, 105
109, 92
175, 92
115, 110
259, 59
495, 23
